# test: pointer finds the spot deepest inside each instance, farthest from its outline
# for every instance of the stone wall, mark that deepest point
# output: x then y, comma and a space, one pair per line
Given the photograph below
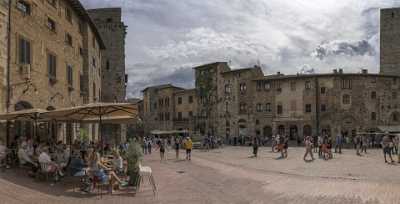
390, 44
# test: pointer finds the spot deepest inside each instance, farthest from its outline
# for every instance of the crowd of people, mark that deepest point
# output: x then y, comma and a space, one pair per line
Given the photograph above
324, 144
163, 144
80, 159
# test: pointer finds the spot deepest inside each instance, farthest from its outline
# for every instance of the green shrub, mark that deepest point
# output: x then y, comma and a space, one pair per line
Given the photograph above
134, 156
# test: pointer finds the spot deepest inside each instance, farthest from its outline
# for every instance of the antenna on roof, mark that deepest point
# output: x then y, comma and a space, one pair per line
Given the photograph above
258, 63
229, 62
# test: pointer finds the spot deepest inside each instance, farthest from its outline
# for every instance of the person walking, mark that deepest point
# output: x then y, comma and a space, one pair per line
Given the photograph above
255, 145
339, 143
144, 145
162, 145
364, 144
357, 144
309, 146
386, 145
177, 145
320, 142
149, 146
395, 145
188, 147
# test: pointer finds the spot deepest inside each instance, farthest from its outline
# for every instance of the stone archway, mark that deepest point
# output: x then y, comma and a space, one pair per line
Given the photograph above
267, 132
242, 129
394, 118
281, 130
307, 130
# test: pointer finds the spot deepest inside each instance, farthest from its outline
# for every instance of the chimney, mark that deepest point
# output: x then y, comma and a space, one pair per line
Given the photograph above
340, 71
364, 71
335, 71
278, 73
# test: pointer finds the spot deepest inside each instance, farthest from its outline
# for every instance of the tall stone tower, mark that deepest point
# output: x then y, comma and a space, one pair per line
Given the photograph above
113, 32
390, 41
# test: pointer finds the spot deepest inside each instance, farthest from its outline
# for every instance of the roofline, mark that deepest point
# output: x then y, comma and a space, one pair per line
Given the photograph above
282, 77
209, 64
78, 7
240, 70
161, 87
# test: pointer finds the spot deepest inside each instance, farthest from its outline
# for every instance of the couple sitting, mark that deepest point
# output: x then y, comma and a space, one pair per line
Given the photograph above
96, 170
48, 165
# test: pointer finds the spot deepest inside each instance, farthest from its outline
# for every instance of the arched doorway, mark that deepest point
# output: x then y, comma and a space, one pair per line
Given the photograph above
307, 130
267, 132
23, 128
281, 129
293, 132
394, 118
243, 134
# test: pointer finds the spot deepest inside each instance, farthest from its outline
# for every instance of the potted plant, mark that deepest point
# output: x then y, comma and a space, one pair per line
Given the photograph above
133, 156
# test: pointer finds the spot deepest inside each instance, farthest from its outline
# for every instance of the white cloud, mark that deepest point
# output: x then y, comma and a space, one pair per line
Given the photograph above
167, 37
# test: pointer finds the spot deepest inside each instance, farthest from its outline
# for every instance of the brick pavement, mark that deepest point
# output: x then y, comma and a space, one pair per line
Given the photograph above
229, 176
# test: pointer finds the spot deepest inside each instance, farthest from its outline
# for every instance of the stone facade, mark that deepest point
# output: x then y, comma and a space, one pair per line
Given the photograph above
390, 45
113, 32
55, 59
167, 107
241, 103
185, 110
3, 52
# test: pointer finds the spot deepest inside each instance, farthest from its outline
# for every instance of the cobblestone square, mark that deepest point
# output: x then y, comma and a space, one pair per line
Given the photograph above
229, 175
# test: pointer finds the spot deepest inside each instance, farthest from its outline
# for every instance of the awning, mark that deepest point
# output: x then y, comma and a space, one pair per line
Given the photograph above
168, 132
93, 111
24, 115
390, 129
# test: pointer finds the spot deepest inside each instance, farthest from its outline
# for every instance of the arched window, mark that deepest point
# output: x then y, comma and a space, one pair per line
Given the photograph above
373, 95
22, 105
346, 99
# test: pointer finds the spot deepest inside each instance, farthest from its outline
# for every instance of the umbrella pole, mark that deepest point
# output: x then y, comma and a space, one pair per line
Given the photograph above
101, 136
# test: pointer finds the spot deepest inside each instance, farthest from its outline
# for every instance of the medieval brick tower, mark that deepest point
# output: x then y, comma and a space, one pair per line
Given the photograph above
113, 32
390, 42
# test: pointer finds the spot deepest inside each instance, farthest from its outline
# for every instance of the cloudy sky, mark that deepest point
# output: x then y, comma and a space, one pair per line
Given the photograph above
166, 38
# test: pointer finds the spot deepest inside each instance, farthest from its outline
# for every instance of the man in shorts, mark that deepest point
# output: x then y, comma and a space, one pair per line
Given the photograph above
188, 147
386, 145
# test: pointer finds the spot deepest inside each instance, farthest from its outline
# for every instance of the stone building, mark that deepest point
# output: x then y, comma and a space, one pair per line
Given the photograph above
185, 110
55, 60
167, 107
3, 52
389, 45
241, 103
113, 32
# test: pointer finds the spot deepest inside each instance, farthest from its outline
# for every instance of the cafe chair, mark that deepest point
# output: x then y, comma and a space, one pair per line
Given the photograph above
145, 171
44, 172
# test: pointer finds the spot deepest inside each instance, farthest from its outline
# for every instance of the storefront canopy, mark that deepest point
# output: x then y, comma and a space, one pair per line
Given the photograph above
167, 132
93, 112
24, 115
390, 129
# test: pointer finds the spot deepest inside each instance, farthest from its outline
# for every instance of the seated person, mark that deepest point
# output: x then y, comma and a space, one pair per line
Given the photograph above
118, 162
97, 169
3, 154
62, 156
77, 167
44, 158
25, 159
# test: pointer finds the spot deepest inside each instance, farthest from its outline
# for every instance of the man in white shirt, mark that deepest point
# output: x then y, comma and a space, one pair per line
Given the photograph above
25, 160
44, 158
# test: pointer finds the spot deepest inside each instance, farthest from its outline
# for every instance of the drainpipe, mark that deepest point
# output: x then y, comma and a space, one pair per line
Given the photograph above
8, 99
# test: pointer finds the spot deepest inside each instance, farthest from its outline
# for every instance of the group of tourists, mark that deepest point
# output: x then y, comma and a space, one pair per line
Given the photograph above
164, 144
324, 144
93, 162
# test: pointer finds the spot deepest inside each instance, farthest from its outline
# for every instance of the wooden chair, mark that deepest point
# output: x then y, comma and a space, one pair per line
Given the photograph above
44, 171
100, 186
146, 171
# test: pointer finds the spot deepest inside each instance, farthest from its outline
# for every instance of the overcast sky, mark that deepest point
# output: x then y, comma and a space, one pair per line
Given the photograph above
166, 38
